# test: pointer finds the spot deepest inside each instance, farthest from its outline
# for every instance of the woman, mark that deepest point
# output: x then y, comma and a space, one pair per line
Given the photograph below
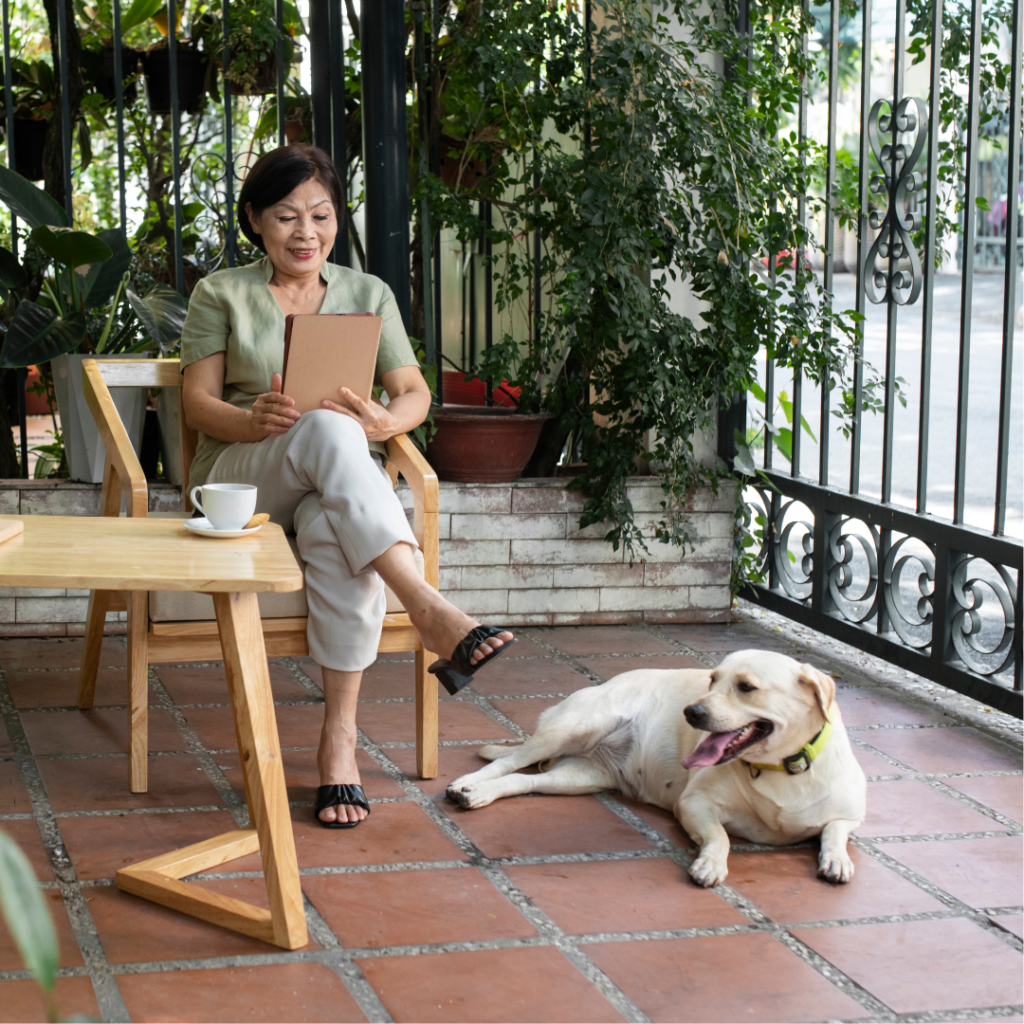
320, 473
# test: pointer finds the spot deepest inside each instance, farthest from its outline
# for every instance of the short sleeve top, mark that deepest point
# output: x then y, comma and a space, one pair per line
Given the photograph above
233, 311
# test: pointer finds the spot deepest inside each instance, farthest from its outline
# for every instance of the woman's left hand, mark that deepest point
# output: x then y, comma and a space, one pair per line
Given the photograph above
375, 419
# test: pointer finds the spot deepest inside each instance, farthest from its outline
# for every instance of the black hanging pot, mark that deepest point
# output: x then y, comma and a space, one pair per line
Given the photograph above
105, 82
29, 138
191, 79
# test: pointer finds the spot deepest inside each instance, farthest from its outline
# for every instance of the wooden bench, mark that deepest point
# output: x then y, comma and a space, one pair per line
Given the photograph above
155, 637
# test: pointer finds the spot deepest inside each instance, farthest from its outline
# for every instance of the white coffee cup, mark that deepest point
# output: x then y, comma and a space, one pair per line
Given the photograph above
227, 506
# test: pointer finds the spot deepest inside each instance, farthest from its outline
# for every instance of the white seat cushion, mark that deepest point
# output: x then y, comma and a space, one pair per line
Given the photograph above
182, 606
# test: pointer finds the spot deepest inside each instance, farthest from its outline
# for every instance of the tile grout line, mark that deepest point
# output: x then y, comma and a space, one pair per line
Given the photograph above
108, 995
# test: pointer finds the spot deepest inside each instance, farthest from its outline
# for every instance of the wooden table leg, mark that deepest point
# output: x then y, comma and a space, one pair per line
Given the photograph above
252, 704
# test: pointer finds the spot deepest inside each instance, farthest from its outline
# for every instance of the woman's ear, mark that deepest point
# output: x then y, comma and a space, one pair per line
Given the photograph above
254, 219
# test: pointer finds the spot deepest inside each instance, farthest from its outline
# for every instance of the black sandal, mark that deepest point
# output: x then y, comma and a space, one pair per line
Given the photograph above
457, 671
333, 796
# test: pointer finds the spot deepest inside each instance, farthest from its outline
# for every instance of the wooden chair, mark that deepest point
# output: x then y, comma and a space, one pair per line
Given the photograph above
154, 637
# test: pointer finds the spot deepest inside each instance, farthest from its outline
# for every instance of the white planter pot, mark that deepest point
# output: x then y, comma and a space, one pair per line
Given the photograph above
168, 414
85, 451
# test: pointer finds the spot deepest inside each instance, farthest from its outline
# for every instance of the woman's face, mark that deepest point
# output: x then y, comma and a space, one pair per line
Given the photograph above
298, 232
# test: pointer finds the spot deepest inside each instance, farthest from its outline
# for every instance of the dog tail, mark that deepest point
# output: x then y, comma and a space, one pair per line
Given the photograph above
494, 751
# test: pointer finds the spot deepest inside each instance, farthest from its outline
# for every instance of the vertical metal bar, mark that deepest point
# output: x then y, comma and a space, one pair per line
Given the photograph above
279, 50
941, 645
435, 168
769, 377
65, 107
229, 155
824, 430
419, 44
488, 212
320, 73
798, 373
472, 307
928, 300
119, 115
172, 51
967, 266
1010, 280
864, 171
339, 143
892, 308
1017, 645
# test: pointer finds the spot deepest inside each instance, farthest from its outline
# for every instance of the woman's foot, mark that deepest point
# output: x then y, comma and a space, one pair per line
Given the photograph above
442, 627
336, 760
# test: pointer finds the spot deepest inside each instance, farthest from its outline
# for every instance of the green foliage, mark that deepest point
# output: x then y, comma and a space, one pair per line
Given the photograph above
31, 204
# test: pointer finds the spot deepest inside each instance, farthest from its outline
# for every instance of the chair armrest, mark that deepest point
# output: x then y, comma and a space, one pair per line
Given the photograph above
422, 481
120, 454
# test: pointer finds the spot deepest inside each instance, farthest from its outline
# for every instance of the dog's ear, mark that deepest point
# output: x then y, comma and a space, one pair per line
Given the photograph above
823, 685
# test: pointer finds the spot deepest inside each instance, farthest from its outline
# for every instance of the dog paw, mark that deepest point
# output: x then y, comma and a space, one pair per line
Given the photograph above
708, 872
836, 868
470, 797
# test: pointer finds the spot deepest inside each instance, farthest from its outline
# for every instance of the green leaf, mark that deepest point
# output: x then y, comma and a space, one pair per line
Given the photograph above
12, 273
103, 278
784, 441
36, 335
744, 462
140, 11
71, 248
25, 911
756, 390
29, 202
807, 428
162, 313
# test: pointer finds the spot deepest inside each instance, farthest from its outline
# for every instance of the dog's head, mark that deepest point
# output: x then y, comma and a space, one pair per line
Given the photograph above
761, 705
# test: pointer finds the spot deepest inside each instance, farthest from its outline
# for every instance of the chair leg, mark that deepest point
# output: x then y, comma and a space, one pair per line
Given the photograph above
99, 602
426, 717
138, 690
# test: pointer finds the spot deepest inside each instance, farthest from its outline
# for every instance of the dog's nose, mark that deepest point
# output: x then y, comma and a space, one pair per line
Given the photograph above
697, 716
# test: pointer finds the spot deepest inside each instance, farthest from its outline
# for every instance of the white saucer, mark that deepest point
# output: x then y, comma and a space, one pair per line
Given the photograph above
205, 529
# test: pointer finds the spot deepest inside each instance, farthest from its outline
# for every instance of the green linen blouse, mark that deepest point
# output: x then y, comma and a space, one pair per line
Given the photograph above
233, 311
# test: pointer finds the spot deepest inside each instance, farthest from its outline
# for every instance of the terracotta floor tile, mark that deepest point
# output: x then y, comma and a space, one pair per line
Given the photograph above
405, 908
785, 885
13, 796
99, 846
526, 711
525, 647
134, 930
59, 689
1003, 793
302, 777
25, 832
6, 747
297, 725
1012, 923
452, 763
272, 992
658, 818
958, 748
608, 668
383, 679
868, 707
24, 1001
101, 783
909, 807
698, 980
527, 984
531, 825
70, 954
621, 896
22, 652
981, 872
706, 638
94, 732
872, 763
203, 685
916, 966
516, 676
576, 640
457, 720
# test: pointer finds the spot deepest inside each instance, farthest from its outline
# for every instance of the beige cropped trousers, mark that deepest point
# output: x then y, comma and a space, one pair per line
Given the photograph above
320, 481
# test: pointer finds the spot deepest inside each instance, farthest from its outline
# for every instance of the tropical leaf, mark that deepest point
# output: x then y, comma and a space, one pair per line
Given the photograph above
12, 273
103, 278
25, 911
162, 312
35, 335
71, 248
140, 11
29, 202
744, 461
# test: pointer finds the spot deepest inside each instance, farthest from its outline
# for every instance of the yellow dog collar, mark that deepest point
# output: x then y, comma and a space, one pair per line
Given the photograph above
801, 761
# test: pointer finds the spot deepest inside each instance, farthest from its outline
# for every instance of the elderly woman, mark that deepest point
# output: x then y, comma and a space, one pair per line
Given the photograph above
320, 474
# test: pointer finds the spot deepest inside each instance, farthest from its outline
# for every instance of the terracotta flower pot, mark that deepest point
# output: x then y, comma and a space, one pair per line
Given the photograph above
459, 391
474, 444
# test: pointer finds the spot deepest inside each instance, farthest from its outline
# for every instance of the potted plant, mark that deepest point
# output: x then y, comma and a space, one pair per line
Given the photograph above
86, 308
252, 39
34, 93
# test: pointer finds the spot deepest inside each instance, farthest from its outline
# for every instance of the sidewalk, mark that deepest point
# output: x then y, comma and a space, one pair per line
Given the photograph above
537, 908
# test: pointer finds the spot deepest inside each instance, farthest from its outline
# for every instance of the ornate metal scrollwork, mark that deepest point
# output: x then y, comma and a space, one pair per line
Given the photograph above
841, 577
793, 571
206, 176
966, 625
902, 618
897, 181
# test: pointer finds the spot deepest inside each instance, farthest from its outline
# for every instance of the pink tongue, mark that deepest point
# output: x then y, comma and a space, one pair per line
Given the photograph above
710, 749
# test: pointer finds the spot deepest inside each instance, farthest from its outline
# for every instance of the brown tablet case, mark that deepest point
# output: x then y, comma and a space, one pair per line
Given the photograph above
327, 351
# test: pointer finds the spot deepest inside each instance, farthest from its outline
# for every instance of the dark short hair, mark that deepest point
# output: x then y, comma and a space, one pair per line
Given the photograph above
278, 173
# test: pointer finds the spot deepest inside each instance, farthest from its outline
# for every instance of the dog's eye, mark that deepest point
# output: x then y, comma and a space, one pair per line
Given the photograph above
746, 687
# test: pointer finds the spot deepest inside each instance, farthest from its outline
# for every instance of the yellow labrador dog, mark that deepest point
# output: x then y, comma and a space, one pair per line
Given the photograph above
755, 748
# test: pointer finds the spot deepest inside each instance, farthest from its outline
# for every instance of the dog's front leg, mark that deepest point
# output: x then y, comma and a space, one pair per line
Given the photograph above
699, 816
834, 861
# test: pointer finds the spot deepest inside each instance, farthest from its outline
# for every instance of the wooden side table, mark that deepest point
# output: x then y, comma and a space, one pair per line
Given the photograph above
135, 555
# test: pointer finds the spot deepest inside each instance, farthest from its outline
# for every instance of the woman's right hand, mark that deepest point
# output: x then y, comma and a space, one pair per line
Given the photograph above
272, 413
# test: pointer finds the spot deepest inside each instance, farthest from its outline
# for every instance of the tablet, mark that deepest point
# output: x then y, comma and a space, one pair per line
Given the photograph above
327, 351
